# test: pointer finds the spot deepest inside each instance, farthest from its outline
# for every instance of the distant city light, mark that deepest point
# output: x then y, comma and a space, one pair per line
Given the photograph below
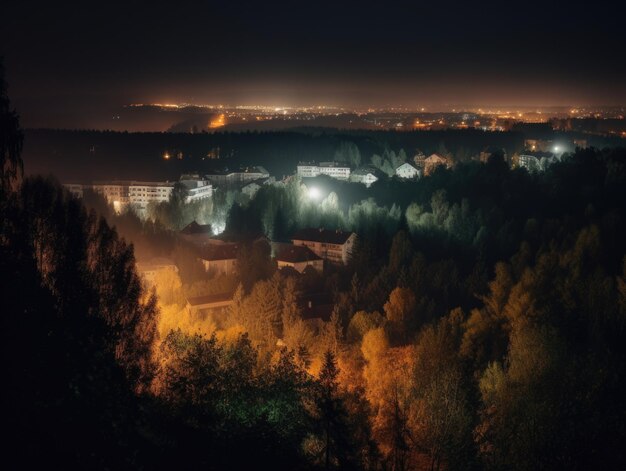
218, 122
166, 156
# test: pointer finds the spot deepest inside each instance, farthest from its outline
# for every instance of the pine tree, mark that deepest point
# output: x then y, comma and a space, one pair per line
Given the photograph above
11, 139
328, 404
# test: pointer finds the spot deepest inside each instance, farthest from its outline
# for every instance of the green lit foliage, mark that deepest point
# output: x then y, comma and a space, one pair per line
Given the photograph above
216, 391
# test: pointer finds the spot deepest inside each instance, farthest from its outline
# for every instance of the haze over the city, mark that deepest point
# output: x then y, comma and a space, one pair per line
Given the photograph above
73, 65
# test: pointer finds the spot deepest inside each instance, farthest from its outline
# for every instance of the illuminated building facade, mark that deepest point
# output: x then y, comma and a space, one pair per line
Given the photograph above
197, 189
408, 171
122, 193
142, 193
538, 162
334, 246
116, 193
365, 175
331, 169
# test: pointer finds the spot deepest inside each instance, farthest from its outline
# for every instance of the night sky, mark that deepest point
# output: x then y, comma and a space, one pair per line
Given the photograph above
71, 60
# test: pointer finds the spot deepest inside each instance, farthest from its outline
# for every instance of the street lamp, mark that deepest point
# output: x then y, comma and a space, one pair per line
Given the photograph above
314, 193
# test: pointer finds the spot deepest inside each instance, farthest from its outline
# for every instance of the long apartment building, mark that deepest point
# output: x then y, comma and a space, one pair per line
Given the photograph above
332, 169
138, 194
142, 193
228, 177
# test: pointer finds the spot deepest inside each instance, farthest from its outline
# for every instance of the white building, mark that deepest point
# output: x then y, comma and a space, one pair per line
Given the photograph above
533, 163
331, 169
142, 193
365, 175
119, 194
197, 189
308, 170
115, 192
334, 246
334, 170
406, 170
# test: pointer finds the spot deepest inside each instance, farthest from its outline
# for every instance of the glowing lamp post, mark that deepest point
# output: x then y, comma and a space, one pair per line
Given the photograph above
314, 193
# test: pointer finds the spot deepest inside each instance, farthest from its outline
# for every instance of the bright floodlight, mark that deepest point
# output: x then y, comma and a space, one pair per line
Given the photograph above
314, 193
556, 148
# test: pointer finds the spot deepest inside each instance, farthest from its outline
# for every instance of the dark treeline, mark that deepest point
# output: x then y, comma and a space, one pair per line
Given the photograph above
479, 325
93, 155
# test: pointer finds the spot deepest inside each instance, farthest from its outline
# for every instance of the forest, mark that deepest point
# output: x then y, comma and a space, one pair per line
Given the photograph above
480, 324
87, 155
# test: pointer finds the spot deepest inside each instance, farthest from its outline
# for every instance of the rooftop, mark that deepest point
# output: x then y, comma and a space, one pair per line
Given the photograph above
334, 164
133, 183
323, 164
295, 254
195, 228
226, 171
194, 184
215, 252
406, 163
326, 236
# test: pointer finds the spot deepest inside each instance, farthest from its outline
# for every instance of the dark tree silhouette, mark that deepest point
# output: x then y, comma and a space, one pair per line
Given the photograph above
11, 138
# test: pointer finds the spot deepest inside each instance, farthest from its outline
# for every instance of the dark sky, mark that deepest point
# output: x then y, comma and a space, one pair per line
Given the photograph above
66, 60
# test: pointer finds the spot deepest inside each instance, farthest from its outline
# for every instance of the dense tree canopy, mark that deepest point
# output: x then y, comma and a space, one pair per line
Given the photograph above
480, 324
